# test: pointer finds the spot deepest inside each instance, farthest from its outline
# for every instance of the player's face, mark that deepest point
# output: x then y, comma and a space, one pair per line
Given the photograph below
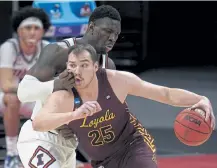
30, 35
105, 33
83, 68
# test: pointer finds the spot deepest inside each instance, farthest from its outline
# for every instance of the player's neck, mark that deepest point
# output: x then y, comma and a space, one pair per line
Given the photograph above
85, 39
91, 91
26, 49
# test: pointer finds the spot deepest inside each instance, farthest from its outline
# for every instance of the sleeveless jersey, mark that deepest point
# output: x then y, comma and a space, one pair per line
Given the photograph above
111, 129
11, 56
66, 43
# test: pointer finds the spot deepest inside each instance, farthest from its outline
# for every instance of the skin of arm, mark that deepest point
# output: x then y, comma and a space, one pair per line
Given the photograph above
8, 81
54, 112
133, 85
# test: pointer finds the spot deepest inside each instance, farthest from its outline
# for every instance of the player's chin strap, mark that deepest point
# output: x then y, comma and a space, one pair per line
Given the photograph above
77, 99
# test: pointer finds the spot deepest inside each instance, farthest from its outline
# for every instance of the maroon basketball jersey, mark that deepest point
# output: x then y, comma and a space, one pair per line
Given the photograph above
104, 133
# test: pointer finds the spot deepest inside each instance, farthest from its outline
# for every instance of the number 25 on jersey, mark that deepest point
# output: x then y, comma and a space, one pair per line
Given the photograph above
102, 135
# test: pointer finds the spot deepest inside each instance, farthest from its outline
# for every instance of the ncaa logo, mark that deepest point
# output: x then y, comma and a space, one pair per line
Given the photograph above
77, 101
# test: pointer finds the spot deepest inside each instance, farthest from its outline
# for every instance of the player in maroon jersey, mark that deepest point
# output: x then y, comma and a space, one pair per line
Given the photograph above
106, 130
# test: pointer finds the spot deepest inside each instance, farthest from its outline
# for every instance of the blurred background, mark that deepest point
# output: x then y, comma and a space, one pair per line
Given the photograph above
166, 43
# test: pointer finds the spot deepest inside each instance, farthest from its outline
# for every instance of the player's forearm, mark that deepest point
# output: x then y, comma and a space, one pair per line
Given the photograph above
9, 87
47, 121
50, 121
30, 89
182, 98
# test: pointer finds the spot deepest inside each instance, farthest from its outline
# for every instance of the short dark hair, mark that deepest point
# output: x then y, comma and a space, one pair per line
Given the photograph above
29, 11
77, 49
105, 11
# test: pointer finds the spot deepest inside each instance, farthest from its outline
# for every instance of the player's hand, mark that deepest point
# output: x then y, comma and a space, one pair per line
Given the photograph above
87, 109
66, 81
206, 106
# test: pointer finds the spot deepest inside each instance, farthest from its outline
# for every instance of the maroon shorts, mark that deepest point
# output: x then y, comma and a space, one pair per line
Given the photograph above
135, 155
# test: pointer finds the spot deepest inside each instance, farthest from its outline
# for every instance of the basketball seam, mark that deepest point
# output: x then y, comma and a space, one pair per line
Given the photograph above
191, 128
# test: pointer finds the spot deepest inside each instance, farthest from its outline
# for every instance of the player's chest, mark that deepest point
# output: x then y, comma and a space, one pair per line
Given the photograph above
109, 115
25, 62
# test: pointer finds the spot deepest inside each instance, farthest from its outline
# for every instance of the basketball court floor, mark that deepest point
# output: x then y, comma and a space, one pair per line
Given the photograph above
158, 118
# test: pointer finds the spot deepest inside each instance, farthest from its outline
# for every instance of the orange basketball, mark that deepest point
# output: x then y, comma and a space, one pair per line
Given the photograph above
191, 128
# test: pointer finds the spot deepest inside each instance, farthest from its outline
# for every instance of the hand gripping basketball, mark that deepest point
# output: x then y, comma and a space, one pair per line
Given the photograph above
205, 105
87, 109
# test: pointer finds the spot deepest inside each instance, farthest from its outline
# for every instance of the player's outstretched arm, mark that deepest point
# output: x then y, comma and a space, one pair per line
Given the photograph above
56, 111
38, 83
171, 96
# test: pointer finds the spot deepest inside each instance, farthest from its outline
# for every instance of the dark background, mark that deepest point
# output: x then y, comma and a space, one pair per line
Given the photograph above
162, 33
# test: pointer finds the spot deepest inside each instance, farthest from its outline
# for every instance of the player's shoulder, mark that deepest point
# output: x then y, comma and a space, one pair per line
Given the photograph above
9, 43
60, 96
9, 46
116, 74
50, 50
62, 93
66, 43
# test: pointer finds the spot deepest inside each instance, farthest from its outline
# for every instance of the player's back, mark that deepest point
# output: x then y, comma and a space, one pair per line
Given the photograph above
111, 129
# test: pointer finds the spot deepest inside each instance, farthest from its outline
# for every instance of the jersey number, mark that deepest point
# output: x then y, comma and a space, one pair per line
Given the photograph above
102, 135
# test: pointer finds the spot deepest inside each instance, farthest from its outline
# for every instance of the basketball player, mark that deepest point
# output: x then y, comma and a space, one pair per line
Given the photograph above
17, 55
106, 130
103, 30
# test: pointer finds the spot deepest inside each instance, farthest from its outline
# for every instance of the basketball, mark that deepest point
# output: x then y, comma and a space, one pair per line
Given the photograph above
191, 128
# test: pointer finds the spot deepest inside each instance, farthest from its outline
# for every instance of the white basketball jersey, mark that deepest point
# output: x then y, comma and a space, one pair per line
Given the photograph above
11, 56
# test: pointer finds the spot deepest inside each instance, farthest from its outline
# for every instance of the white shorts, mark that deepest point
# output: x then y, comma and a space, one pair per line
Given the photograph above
45, 149
25, 109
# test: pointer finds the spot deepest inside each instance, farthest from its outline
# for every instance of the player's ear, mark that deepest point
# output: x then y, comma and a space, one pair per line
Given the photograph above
96, 66
90, 27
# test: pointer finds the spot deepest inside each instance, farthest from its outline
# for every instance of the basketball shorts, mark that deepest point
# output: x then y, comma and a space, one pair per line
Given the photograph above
136, 154
45, 149
25, 109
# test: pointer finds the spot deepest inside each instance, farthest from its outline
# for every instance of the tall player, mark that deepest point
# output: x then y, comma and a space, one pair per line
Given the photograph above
107, 131
17, 55
103, 30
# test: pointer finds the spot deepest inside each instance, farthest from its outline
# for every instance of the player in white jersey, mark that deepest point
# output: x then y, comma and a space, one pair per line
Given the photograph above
17, 56
53, 147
